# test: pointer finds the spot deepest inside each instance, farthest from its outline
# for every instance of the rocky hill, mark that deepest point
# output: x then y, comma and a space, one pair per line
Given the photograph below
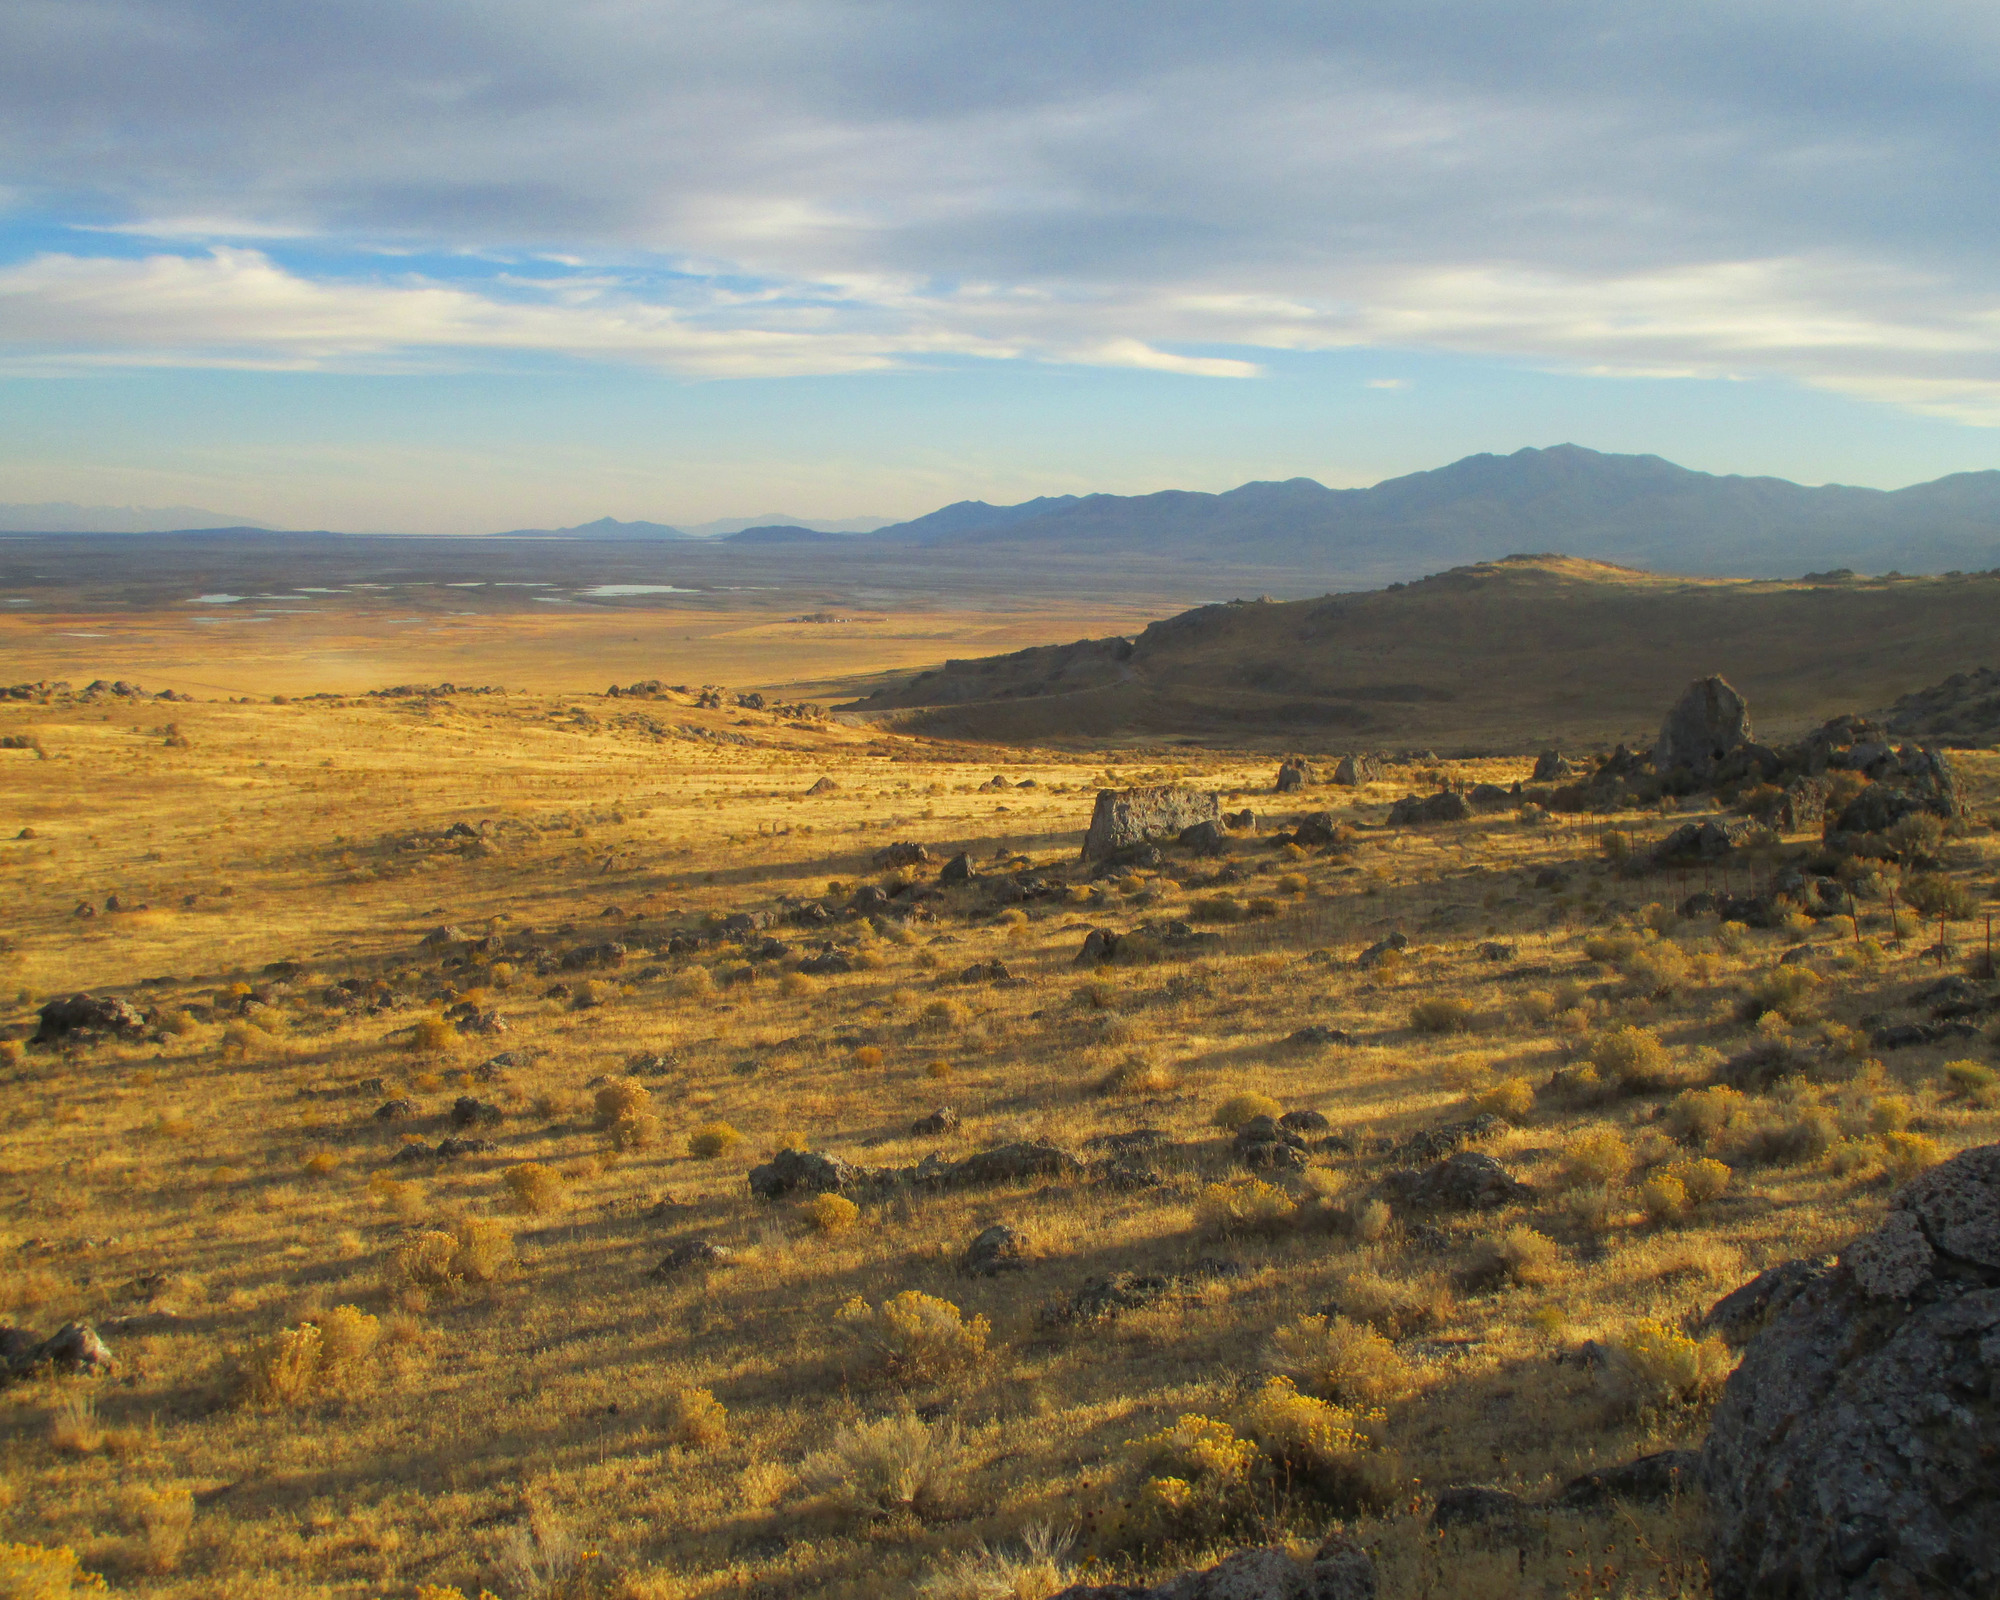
1500, 656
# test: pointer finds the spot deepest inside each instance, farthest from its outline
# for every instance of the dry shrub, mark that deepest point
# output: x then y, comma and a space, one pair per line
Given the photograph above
937, 1069
1654, 1368
693, 1419
322, 1355
1520, 1255
914, 1337
433, 1036
1971, 1080
868, 1057
1632, 1058
1292, 883
1785, 992
165, 1518
1397, 1307
1034, 1569
696, 983
1329, 1450
1248, 1206
1663, 1197
1904, 1154
943, 1016
1700, 1117
1215, 908
1792, 1138
713, 1140
1200, 1482
1138, 1074
1442, 1014
1339, 1359
434, 1261
322, 1163
43, 1572
1889, 1113
1241, 1108
1512, 1098
830, 1214
896, 1464
534, 1189
1596, 1158
1933, 896
622, 1097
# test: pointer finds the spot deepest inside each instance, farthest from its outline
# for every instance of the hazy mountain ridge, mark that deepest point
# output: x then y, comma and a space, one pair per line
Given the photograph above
66, 516
1640, 510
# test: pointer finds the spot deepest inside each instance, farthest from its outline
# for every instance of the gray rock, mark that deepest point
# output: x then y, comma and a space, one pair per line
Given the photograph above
1315, 1034
957, 870
1650, 1479
1011, 1162
395, 1110
1205, 838
1475, 1504
997, 1249
1466, 1181
1128, 817
1434, 1144
1099, 945
84, 1015
1851, 1454
942, 1120
444, 936
1266, 1574
1304, 1122
827, 963
1293, 774
1707, 723
467, 1112
803, 1172
74, 1348
1353, 771
1699, 841
1552, 767
1444, 806
1268, 1130
1372, 956
1270, 1155
1741, 1313
904, 853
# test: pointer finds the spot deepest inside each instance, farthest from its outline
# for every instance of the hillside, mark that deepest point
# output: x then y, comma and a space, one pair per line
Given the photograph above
1639, 510
1502, 656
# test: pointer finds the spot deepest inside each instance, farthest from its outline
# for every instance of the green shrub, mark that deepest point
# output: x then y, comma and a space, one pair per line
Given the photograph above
1933, 896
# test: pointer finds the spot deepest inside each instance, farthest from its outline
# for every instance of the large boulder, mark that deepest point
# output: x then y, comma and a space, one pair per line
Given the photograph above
1355, 770
1010, 1162
1856, 1451
1466, 1181
1708, 722
1699, 841
1127, 817
1293, 773
86, 1016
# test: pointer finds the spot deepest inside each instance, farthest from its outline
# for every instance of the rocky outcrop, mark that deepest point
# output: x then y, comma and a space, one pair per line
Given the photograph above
1444, 806
1354, 770
1706, 725
1698, 841
1293, 773
1128, 817
1856, 1451
86, 1016
1466, 1181
804, 1172
73, 1348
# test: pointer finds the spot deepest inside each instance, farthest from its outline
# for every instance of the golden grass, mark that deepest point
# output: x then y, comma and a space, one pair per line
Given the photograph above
527, 1374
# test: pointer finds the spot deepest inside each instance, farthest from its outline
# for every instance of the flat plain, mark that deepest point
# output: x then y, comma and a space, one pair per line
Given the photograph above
361, 925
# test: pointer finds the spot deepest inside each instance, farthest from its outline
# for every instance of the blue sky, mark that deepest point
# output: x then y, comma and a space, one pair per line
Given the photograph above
456, 267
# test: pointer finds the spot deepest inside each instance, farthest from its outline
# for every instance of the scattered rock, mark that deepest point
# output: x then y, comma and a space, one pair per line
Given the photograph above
1650, 1479
986, 972
942, 1120
1551, 767
1474, 1504
1699, 841
1293, 774
691, 1253
803, 1172
84, 1016
451, 1149
1244, 821
1008, 1163
824, 786
444, 936
827, 963
1494, 950
957, 870
1315, 1034
395, 1110
1124, 818
1434, 1144
903, 854
1353, 771
72, 1348
466, 1112
998, 1249
1850, 1454
1304, 1122
1204, 838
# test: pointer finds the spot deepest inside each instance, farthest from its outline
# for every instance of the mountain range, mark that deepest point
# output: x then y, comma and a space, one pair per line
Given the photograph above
1633, 510
66, 516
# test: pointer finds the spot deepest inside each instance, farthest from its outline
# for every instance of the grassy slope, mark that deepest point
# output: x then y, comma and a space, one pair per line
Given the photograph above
177, 1186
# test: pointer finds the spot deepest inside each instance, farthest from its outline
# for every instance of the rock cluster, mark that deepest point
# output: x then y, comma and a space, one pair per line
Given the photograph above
74, 1347
86, 1016
1854, 1451
814, 1172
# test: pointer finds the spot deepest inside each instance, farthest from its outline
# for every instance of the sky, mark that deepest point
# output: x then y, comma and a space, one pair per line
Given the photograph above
461, 266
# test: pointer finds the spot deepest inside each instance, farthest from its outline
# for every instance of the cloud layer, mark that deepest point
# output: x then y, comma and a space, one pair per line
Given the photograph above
1757, 189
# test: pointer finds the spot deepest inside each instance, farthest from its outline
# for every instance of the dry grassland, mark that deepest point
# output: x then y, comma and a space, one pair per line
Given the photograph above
343, 1375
